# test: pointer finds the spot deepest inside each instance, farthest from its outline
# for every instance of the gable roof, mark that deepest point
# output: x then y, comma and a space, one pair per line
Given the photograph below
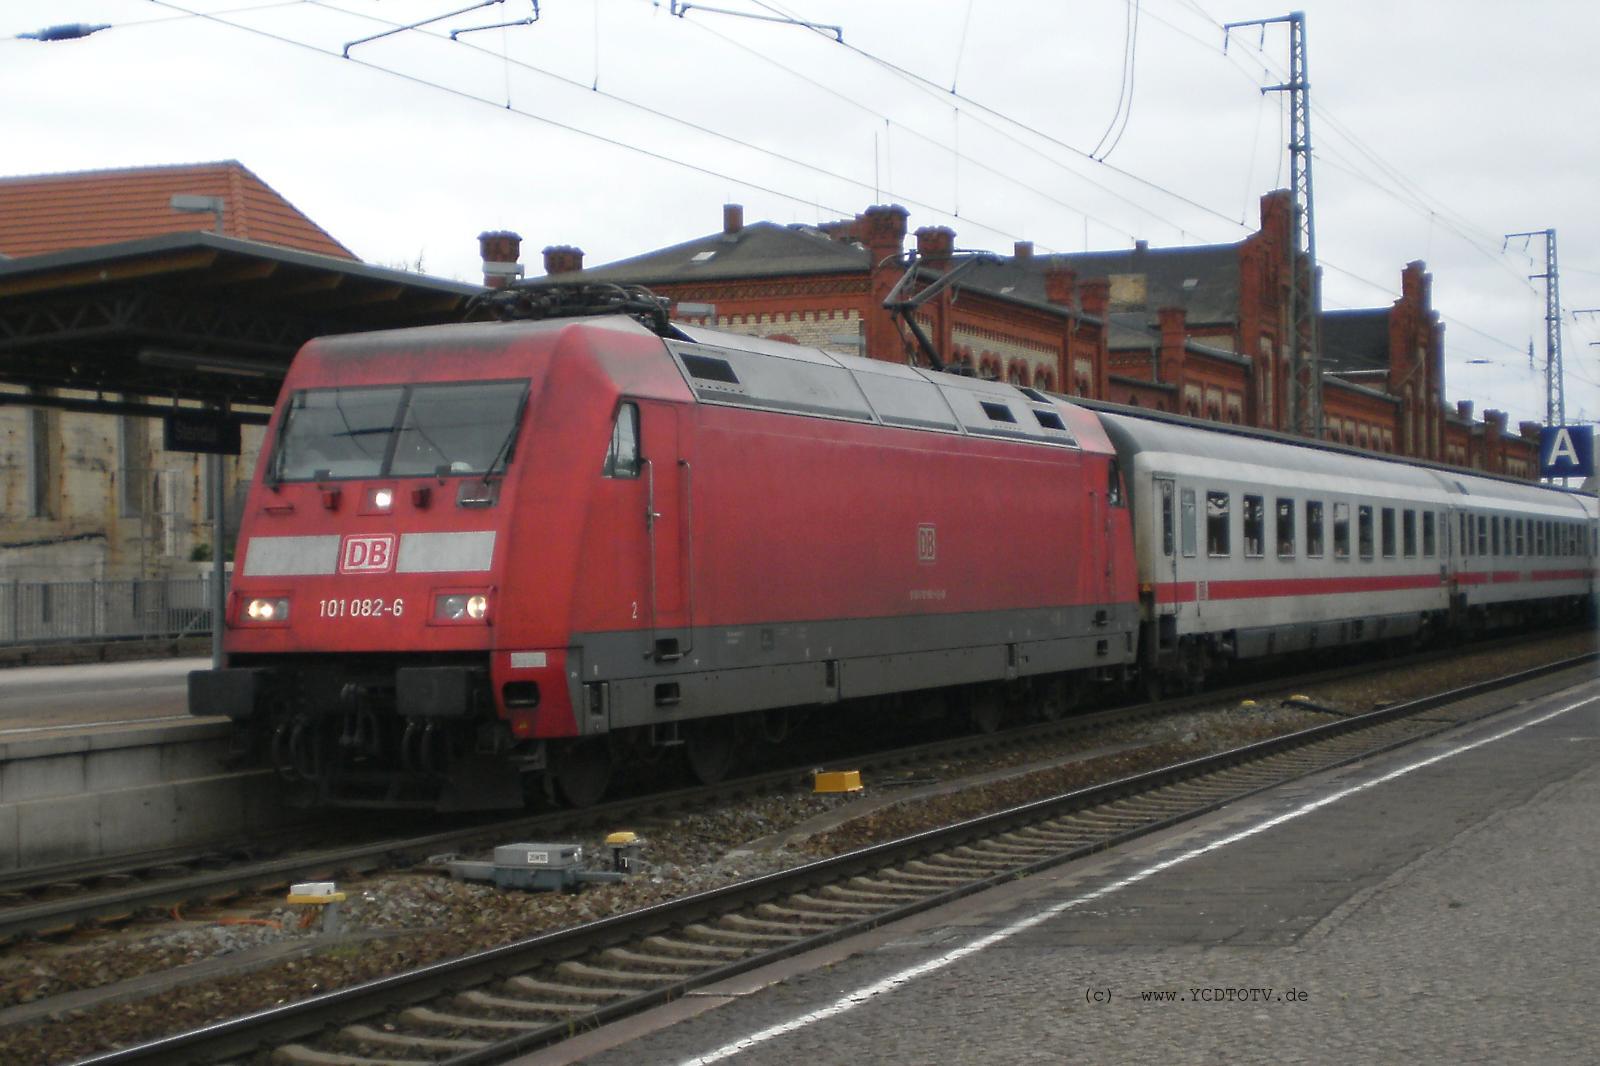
1201, 279
53, 212
1355, 339
760, 249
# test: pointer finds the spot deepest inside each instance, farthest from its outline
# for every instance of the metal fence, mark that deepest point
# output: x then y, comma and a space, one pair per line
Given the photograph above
33, 612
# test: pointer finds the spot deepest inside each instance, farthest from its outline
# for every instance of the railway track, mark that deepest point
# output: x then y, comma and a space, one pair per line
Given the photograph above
493, 1005
57, 901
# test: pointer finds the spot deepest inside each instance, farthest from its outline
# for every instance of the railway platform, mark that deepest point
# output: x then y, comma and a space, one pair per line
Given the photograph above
1433, 904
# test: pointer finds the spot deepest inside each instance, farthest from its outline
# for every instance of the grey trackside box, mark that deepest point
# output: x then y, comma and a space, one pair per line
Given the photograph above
541, 856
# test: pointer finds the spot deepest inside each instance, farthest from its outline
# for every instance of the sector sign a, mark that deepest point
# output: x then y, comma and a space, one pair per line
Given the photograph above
1566, 451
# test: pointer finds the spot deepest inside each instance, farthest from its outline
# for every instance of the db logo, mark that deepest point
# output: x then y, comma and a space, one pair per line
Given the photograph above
372, 554
927, 544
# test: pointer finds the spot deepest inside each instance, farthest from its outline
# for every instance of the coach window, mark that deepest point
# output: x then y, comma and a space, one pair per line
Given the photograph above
1408, 532
1483, 535
1386, 531
1522, 537
1494, 535
1341, 531
1428, 534
1364, 530
1217, 506
622, 457
1187, 529
1466, 535
1255, 526
1167, 545
1314, 532
1285, 530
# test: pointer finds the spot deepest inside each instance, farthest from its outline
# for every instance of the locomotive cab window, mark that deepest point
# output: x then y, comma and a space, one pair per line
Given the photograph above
1341, 531
1255, 526
622, 456
1285, 530
1217, 508
442, 429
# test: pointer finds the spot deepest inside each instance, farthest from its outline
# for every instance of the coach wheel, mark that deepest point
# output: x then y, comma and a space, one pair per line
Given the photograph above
710, 750
582, 773
986, 711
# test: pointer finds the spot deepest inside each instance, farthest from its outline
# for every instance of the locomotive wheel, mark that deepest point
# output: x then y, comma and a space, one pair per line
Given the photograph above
710, 749
583, 772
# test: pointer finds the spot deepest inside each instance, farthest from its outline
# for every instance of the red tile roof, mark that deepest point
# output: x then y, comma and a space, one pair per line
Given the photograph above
54, 212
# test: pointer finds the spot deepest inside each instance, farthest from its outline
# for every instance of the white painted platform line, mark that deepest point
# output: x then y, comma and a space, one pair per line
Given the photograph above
67, 727
893, 981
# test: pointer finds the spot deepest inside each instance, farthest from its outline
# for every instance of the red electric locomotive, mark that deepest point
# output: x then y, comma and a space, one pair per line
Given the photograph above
480, 556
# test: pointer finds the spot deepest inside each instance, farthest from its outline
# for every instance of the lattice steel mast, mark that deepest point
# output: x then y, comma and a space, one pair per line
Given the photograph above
1305, 360
1555, 392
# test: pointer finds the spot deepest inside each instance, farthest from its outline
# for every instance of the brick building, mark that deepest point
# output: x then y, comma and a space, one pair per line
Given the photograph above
1200, 330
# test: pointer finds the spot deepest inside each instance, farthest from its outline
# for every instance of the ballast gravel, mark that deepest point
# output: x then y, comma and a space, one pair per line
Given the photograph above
256, 956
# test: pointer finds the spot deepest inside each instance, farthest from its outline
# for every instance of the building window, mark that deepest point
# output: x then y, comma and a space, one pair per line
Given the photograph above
40, 497
134, 452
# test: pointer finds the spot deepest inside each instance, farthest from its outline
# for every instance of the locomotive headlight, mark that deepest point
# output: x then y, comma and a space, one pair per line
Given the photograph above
267, 610
461, 607
383, 499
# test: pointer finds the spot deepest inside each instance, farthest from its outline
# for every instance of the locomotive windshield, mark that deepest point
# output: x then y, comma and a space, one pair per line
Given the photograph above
398, 431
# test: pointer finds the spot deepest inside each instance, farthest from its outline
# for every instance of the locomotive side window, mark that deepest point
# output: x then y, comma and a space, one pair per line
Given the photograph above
622, 457
1314, 529
1386, 531
1114, 486
1341, 531
1217, 508
1188, 528
1427, 534
1364, 530
1285, 530
1167, 538
1255, 526
1408, 533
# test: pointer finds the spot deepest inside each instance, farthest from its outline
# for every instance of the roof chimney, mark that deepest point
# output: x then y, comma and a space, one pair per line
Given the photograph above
1464, 410
562, 259
732, 219
500, 250
935, 245
1141, 246
1022, 251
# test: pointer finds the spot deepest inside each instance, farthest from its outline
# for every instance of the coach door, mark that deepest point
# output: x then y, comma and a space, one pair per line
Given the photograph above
668, 478
1165, 574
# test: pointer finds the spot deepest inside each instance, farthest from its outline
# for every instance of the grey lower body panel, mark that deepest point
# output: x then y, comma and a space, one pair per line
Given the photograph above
1308, 636
734, 669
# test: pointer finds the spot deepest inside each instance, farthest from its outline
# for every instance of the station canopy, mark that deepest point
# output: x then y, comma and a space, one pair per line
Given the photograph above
189, 318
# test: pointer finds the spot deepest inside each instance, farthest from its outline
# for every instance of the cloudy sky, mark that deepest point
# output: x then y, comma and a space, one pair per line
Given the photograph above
616, 126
